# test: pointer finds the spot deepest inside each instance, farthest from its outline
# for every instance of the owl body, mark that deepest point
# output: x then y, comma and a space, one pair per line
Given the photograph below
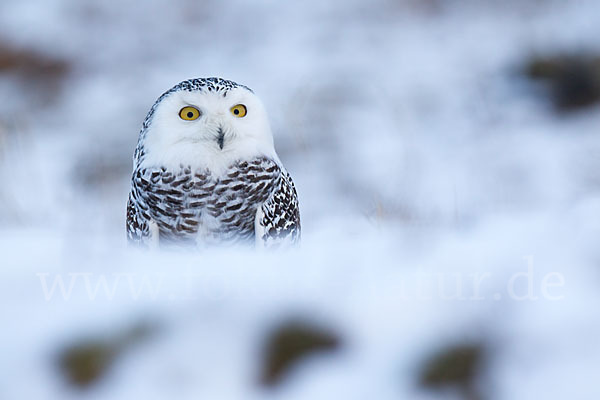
204, 175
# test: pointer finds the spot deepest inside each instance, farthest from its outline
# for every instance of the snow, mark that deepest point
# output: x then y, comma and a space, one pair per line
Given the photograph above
442, 201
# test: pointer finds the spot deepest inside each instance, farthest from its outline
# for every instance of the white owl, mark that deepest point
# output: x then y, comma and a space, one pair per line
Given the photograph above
206, 171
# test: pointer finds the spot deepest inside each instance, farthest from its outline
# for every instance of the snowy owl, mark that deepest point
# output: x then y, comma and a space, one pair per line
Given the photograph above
206, 172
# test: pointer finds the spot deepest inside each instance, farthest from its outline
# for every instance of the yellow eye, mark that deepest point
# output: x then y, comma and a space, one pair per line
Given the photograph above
189, 113
239, 110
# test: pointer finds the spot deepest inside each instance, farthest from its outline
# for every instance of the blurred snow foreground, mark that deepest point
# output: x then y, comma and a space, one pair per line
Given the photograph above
366, 316
447, 160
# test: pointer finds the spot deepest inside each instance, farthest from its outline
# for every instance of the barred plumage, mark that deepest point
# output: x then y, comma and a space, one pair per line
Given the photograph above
190, 206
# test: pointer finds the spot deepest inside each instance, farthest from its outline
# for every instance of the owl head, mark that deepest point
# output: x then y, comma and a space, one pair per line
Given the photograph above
206, 122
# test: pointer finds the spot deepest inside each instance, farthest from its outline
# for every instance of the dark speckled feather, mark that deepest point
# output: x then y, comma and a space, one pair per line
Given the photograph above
197, 207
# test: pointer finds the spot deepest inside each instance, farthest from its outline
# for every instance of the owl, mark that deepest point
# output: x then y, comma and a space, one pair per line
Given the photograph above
206, 172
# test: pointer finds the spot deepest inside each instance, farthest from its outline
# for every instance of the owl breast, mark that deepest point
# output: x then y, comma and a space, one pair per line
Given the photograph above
197, 207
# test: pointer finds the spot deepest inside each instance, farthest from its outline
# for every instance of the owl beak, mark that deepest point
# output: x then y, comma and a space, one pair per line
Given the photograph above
220, 137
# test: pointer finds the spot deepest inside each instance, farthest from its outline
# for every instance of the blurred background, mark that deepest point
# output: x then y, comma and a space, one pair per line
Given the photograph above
447, 159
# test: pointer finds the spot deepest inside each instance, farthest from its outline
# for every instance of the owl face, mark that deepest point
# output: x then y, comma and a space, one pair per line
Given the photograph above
207, 126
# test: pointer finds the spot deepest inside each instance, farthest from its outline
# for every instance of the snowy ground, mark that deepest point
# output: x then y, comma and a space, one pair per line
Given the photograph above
443, 200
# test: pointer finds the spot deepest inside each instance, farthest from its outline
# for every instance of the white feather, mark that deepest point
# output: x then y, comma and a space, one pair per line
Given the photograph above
171, 141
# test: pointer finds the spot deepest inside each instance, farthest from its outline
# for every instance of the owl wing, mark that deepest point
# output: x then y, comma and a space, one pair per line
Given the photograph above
138, 228
141, 230
278, 218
